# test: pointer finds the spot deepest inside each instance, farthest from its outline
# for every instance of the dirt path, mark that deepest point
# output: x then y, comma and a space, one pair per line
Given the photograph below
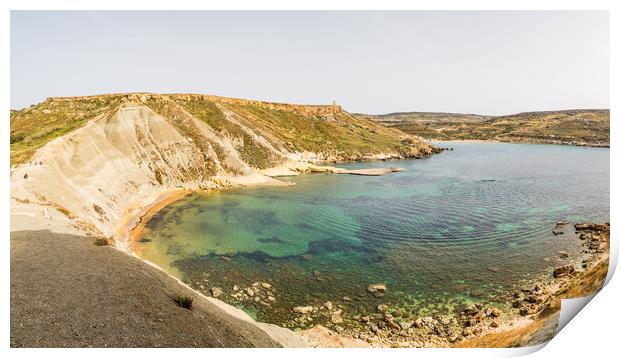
68, 292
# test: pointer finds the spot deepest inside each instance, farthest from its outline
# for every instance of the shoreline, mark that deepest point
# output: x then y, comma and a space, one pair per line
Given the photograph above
507, 331
138, 215
135, 221
138, 222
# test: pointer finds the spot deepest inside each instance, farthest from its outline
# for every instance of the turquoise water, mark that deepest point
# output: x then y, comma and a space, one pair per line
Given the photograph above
462, 226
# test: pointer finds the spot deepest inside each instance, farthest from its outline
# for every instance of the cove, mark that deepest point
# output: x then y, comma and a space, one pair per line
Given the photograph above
461, 227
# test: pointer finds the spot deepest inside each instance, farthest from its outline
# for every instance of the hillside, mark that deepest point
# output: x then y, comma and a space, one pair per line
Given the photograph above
261, 127
575, 127
100, 159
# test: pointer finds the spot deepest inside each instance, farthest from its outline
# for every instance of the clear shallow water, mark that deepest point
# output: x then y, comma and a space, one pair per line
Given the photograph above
455, 228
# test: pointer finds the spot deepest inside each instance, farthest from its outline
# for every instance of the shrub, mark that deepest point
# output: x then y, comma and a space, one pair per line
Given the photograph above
17, 137
64, 211
101, 241
182, 300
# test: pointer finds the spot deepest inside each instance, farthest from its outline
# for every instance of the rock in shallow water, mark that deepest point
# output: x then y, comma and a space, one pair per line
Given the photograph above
303, 309
563, 271
376, 287
337, 318
216, 292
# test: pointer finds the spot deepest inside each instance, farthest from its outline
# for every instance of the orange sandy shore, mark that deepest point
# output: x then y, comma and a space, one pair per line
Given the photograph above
140, 222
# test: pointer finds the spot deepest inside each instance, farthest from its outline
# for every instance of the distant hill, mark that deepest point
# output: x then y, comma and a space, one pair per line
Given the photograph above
589, 127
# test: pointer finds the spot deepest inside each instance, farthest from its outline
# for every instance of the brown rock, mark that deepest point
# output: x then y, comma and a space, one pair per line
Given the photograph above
582, 226
216, 292
563, 271
494, 312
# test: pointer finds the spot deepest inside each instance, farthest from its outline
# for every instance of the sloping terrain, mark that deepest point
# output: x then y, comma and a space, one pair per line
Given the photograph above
575, 127
68, 292
256, 126
95, 159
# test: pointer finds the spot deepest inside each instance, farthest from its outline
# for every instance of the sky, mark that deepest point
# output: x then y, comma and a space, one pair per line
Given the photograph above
369, 62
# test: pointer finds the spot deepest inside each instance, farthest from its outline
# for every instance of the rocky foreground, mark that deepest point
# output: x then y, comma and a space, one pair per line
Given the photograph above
528, 315
73, 291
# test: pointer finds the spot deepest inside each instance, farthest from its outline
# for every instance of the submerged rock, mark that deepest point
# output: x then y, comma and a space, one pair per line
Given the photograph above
216, 292
376, 287
303, 309
336, 318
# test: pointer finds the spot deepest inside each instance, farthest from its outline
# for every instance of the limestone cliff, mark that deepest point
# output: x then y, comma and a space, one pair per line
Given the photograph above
95, 159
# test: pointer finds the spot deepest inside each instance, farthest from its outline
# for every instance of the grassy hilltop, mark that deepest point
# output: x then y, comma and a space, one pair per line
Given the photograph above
578, 127
327, 130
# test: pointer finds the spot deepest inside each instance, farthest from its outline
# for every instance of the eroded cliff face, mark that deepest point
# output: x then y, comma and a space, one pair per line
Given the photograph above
150, 144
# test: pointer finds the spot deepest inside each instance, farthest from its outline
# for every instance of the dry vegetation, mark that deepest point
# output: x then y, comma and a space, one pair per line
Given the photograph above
577, 127
35, 126
329, 131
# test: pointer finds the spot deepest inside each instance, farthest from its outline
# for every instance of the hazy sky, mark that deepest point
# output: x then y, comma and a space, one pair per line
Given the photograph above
372, 62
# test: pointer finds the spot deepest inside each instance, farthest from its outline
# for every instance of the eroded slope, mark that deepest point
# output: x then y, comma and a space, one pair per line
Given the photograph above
96, 159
